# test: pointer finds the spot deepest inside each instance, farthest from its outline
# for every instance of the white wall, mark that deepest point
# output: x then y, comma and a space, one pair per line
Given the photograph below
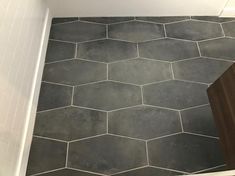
229, 9
21, 31
81, 8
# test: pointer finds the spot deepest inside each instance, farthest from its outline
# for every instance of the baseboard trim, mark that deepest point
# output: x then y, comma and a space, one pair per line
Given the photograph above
32, 107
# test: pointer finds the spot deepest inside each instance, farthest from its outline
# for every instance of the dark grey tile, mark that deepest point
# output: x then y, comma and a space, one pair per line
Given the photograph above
107, 95
229, 29
175, 94
212, 18
143, 122
46, 155
75, 72
77, 32
219, 48
185, 152
107, 50
136, 31
63, 20
70, 123
168, 49
199, 120
68, 172
54, 96
149, 171
200, 69
57, 51
106, 20
107, 154
140, 71
194, 30
163, 19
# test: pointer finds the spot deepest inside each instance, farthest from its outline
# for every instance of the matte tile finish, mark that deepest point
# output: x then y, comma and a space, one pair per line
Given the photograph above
63, 20
107, 50
168, 49
75, 72
68, 172
140, 71
212, 18
219, 48
143, 122
107, 154
54, 96
136, 31
195, 153
57, 51
163, 19
107, 20
149, 171
46, 155
70, 123
107, 95
229, 29
200, 69
77, 32
194, 30
199, 120
175, 94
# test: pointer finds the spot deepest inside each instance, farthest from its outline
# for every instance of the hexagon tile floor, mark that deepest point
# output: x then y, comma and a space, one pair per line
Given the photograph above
127, 96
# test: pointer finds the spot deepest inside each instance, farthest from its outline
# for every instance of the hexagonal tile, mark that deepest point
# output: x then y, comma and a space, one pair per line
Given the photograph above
199, 120
194, 30
54, 96
168, 49
212, 18
106, 20
107, 154
77, 31
75, 72
140, 71
143, 122
184, 152
175, 94
46, 155
200, 69
163, 19
149, 171
136, 31
219, 48
107, 50
229, 29
64, 20
57, 51
107, 95
70, 123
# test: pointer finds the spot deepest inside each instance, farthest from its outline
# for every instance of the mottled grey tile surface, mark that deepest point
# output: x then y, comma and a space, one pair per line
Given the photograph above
107, 95
70, 123
63, 20
136, 31
68, 172
140, 71
168, 49
77, 31
107, 20
54, 96
219, 48
107, 154
143, 122
194, 30
212, 18
187, 153
46, 155
175, 94
75, 72
229, 29
163, 19
57, 51
199, 120
107, 50
200, 69
149, 171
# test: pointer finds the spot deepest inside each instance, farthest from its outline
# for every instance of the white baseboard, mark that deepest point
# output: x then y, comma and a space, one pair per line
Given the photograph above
31, 114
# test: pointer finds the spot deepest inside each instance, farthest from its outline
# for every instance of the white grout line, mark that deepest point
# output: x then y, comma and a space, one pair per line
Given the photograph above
173, 22
107, 71
76, 51
199, 50
66, 22
192, 107
121, 40
67, 155
210, 39
83, 107
172, 71
129, 170
232, 21
181, 121
164, 28
179, 39
157, 167
156, 60
181, 60
49, 138
95, 82
107, 122
48, 110
93, 40
63, 60
160, 107
222, 30
121, 82
219, 59
137, 49
157, 82
129, 107
142, 94
58, 84
195, 82
201, 135
127, 137
203, 21
64, 41
80, 170
208, 169
123, 60
72, 95
152, 22
90, 137
120, 22
147, 152
46, 172
160, 137
89, 60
